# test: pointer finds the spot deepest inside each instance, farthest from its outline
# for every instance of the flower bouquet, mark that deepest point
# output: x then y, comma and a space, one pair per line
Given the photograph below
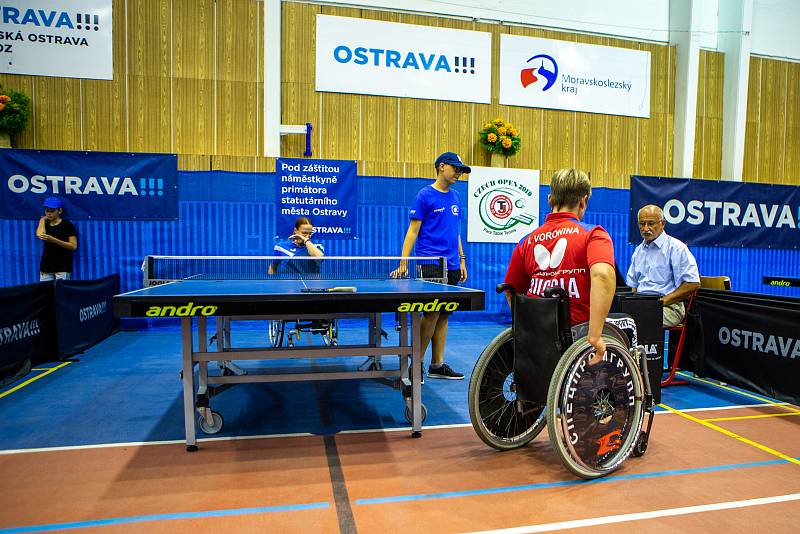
15, 110
500, 137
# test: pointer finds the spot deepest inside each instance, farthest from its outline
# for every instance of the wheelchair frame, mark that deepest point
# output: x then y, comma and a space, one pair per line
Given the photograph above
594, 413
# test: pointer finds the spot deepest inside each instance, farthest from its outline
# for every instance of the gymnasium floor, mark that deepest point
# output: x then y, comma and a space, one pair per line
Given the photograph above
97, 444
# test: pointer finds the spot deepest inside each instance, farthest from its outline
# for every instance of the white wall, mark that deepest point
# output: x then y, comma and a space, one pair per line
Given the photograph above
776, 28
642, 19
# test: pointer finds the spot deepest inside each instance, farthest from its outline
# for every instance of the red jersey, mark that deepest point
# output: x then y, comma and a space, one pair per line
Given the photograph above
560, 253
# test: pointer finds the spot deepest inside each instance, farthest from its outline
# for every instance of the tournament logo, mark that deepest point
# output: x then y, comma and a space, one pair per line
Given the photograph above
544, 66
502, 208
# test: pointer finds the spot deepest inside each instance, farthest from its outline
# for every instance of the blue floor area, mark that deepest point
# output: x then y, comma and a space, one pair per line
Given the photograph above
127, 389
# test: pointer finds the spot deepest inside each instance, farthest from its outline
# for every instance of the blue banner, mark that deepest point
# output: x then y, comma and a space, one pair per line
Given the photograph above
720, 214
322, 190
92, 185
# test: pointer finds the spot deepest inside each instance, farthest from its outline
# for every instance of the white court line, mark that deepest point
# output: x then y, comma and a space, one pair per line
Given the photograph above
621, 518
294, 435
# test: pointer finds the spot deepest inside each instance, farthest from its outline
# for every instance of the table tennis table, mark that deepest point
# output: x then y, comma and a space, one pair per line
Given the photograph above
197, 298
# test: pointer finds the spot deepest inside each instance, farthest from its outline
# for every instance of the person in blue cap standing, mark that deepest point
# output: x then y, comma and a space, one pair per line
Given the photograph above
435, 227
60, 241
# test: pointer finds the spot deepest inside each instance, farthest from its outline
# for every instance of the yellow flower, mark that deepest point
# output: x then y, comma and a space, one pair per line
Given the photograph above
487, 125
513, 132
491, 138
498, 122
501, 130
506, 142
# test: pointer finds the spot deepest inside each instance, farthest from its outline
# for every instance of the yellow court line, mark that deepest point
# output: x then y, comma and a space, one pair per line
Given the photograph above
751, 417
35, 378
732, 435
744, 393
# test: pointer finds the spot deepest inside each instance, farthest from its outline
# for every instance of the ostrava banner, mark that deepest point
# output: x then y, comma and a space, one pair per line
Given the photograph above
85, 312
64, 39
715, 213
752, 341
503, 204
323, 190
92, 185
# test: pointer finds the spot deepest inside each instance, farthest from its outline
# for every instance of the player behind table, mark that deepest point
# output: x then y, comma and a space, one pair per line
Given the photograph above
435, 228
297, 245
662, 265
60, 241
568, 253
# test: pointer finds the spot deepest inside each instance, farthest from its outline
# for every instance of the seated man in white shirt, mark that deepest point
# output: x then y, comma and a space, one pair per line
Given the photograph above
663, 265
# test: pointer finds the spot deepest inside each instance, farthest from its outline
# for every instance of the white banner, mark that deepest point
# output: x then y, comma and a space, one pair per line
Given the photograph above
64, 39
503, 204
544, 73
373, 57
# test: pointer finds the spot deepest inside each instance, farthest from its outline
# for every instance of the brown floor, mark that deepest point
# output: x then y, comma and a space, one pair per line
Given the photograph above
117, 482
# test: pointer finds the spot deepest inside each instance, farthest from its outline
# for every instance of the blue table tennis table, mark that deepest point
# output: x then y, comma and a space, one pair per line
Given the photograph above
194, 301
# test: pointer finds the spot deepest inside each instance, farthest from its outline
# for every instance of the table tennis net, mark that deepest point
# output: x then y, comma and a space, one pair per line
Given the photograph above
162, 269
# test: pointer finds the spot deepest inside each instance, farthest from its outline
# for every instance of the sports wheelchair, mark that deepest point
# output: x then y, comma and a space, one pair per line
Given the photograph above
327, 328
537, 373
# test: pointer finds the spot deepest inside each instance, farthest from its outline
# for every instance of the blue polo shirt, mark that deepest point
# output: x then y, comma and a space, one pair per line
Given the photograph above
661, 266
440, 214
290, 250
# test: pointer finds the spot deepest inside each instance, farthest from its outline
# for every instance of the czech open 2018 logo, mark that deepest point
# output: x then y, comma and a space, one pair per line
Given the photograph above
503, 207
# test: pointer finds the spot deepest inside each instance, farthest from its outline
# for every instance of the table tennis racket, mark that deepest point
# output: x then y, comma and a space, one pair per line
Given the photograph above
340, 289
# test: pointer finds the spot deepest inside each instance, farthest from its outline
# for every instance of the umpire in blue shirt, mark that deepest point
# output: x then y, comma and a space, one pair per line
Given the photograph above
663, 265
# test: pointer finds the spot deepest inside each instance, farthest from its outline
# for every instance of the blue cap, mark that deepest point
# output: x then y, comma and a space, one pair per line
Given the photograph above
53, 202
451, 158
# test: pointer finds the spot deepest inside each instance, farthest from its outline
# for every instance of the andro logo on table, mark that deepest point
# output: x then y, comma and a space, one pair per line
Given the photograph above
434, 305
189, 310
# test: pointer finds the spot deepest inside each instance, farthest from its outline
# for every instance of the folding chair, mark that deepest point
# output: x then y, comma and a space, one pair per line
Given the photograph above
708, 282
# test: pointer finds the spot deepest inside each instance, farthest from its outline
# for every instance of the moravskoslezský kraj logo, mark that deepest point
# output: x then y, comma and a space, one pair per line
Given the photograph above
503, 207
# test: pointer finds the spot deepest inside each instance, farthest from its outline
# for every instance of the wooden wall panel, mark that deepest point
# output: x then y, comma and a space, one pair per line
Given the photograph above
58, 116
750, 167
708, 126
792, 162
105, 120
771, 127
340, 126
149, 71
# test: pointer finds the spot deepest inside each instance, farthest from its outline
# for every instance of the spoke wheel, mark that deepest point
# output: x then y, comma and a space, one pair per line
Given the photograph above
597, 410
498, 417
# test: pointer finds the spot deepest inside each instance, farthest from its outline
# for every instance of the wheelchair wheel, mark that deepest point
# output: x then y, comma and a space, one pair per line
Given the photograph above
596, 411
276, 332
498, 417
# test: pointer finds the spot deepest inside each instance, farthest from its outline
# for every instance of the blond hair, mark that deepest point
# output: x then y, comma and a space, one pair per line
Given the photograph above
568, 187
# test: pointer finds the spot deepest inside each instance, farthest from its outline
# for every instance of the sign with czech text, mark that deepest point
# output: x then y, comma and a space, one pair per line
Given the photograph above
546, 73
91, 185
503, 204
721, 214
322, 190
64, 39
373, 57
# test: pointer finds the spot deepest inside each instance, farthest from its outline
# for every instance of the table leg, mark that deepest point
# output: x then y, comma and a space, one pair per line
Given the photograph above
187, 349
416, 375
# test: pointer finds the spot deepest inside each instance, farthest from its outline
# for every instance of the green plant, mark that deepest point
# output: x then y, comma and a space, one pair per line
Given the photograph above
500, 137
15, 110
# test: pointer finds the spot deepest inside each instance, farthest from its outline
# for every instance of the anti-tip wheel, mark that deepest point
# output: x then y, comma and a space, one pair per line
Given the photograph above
213, 426
641, 445
424, 411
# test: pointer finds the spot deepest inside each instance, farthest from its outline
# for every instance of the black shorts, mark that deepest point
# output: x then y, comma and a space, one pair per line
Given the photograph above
433, 273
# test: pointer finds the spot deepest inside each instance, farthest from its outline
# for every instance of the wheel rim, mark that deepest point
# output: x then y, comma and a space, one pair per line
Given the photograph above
498, 399
599, 415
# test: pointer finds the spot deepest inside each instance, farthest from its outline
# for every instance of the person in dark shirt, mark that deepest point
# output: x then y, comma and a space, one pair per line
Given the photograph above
60, 241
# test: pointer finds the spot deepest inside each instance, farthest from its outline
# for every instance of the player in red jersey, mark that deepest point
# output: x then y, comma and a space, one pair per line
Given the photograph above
568, 253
